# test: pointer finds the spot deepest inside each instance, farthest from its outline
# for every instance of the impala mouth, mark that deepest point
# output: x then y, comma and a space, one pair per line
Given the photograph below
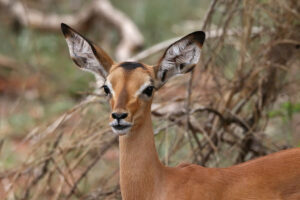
120, 127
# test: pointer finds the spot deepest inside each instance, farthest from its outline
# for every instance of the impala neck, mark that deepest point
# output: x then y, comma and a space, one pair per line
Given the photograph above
140, 167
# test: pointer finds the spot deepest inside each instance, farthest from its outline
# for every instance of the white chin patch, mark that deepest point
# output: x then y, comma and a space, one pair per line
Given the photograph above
121, 131
120, 128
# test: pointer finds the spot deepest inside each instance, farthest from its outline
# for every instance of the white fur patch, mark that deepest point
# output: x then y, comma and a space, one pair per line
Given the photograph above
110, 87
81, 51
142, 88
123, 131
180, 53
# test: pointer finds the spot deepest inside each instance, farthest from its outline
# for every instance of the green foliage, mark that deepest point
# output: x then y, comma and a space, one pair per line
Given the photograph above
286, 111
82, 136
46, 53
20, 121
155, 18
8, 156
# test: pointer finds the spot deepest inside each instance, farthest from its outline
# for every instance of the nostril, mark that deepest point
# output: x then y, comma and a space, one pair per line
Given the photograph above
119, 115
123, 115
114, 115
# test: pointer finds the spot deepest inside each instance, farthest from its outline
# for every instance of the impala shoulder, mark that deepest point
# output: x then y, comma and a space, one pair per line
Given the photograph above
192, 171
183, 164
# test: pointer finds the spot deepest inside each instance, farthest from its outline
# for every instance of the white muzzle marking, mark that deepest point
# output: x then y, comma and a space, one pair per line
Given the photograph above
120, 127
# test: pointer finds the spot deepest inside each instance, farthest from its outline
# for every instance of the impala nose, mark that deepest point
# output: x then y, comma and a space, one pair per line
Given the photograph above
119, 116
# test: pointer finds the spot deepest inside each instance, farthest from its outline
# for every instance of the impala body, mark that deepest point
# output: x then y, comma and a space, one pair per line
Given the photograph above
130, 87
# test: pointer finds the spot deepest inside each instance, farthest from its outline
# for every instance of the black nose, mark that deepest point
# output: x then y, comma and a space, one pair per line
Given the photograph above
119, 116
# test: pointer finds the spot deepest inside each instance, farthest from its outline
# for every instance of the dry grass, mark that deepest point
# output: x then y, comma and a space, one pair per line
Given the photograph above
221, 121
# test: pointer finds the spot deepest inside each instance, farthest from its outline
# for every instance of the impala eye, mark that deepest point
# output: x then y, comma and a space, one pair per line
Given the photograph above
148, 91
106, 90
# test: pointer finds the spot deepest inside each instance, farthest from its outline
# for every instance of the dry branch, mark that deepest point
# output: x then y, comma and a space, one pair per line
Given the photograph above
211, 34
7, 62
131, 37
227, 116
190, 82
92, 164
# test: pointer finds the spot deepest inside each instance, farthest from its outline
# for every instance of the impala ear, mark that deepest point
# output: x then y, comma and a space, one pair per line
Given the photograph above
85, 54
180, 57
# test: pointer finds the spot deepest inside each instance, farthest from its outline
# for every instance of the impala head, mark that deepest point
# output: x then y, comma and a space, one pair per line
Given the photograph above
130, 86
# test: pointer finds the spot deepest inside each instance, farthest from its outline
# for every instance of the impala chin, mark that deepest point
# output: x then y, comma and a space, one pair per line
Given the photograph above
120, 127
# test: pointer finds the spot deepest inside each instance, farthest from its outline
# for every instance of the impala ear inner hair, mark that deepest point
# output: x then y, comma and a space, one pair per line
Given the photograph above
130, 86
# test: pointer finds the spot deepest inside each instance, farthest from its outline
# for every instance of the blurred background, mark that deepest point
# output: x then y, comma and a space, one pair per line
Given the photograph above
241, 102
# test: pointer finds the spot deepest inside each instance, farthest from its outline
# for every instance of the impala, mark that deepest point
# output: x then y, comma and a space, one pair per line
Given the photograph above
130, 87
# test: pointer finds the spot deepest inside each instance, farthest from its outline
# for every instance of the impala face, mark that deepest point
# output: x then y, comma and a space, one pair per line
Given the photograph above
130, 85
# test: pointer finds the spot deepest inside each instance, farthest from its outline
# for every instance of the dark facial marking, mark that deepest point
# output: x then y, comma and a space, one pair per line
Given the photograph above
65, 29
131, 65
164, 75
148, 91
106, 90
77, 62
199, 36
190, 69
181, 66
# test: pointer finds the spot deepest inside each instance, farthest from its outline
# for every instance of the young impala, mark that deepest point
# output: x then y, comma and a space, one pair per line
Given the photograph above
130, 87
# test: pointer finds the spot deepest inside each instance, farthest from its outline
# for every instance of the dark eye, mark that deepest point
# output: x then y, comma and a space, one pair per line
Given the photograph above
106, 89
148, 91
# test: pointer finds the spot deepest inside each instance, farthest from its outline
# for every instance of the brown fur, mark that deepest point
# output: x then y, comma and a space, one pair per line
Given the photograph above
144, 177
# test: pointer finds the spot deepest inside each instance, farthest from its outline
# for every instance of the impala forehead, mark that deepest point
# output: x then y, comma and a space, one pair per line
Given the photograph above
134, 77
